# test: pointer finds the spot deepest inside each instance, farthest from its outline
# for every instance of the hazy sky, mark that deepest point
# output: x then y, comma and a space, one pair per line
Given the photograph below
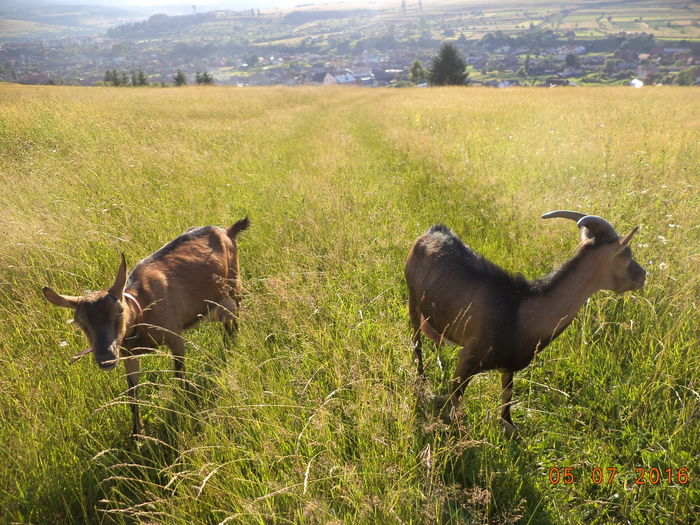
201, 5
145, 8
219, 4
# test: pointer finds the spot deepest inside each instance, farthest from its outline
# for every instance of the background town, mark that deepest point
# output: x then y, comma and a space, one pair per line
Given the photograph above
503, 44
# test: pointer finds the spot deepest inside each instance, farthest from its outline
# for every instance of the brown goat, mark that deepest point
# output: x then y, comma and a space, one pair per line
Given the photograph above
501, 320
194, 276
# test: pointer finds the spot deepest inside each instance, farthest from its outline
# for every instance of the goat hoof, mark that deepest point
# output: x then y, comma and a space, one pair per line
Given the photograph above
441, 403
445, 408
510, 430
138, 431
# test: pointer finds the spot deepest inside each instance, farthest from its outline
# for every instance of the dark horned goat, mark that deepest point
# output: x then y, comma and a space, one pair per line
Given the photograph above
501, 320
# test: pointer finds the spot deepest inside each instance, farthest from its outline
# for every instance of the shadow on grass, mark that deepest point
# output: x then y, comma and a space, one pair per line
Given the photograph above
478, 480
132, 471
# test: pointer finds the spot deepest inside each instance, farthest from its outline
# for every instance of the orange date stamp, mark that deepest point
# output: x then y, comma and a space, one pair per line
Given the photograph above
607, 475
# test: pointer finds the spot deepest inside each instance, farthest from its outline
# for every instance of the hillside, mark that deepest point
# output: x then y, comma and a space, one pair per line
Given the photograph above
31, 20
311, 416
376, 42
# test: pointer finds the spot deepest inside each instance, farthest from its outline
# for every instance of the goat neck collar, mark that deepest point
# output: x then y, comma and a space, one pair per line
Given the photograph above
136, 302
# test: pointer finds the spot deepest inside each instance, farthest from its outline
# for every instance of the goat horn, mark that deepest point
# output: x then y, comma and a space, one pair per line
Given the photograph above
598, 227
564, 214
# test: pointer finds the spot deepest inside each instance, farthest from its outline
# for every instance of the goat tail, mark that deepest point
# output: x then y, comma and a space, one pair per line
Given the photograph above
238, 227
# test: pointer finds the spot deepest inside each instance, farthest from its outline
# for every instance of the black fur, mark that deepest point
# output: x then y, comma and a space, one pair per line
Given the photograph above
164, 251
192, 233
477, 266
238, 227
508, 284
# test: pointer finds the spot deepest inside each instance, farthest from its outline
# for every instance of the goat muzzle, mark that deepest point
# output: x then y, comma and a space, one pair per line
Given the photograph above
107, 358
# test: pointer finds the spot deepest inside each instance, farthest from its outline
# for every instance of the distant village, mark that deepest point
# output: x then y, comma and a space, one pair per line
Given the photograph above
532, 59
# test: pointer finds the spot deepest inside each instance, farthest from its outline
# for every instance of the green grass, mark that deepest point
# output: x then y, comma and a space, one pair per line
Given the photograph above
311, 416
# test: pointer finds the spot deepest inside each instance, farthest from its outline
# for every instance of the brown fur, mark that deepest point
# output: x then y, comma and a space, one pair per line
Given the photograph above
501, 320
192, 277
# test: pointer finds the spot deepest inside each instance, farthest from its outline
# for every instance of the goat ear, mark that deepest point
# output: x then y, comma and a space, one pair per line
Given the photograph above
586, 234
65, 301
117, 289
624, 241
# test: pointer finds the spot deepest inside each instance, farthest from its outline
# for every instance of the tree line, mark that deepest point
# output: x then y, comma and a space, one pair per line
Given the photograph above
136, 78
124, 78
449, 68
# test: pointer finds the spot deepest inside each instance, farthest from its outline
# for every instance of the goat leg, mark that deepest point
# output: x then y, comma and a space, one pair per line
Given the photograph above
506, 422
177, 345
131, 366
469, 365
229, 316
415, 317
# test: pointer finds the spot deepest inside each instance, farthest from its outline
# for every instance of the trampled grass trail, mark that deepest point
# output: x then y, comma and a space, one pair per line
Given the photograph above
312, 415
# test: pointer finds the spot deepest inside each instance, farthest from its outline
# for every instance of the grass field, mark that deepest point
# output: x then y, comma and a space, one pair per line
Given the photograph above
13, 28
311, 416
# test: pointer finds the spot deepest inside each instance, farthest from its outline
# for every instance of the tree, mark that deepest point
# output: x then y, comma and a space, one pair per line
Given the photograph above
571, 61
112, 77
611, 64
448, 68
687, 77
417, 72
141, 78
203, 79
180, 78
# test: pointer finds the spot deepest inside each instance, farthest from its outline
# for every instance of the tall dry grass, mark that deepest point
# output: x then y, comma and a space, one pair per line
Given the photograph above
312, 416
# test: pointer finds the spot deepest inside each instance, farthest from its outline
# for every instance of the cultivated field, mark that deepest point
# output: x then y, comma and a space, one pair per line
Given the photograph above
474, 18
311, 416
